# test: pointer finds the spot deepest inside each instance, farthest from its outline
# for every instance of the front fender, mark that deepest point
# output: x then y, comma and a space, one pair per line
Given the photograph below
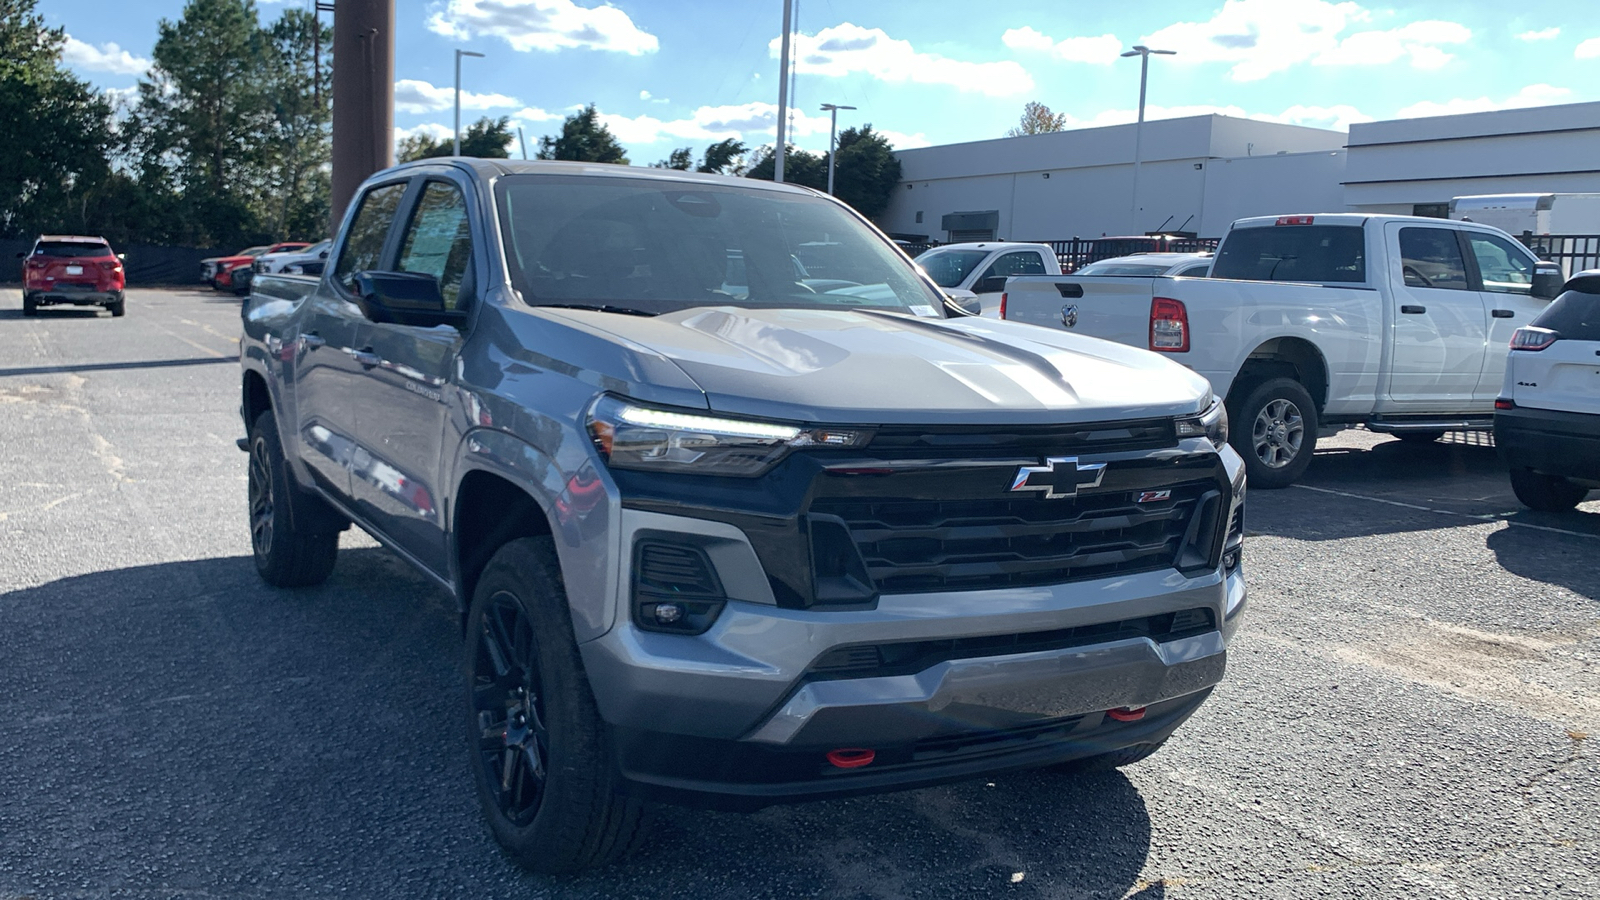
583, 508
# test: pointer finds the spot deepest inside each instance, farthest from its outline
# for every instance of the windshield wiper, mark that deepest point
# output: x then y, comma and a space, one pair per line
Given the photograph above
622, 310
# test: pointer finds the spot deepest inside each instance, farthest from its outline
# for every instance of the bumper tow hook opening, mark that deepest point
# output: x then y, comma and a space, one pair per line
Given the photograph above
1127, 713
851, 758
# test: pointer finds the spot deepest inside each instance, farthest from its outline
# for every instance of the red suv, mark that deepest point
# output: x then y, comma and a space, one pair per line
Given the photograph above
81, 271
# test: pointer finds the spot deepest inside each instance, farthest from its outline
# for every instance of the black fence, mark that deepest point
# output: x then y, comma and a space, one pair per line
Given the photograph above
144, 264
1074, 253
1573, 252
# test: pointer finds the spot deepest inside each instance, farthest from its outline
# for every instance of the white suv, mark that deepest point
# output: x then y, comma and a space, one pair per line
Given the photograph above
1547, 419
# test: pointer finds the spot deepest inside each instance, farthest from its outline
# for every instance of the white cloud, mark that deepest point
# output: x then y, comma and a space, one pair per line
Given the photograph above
412, 96
713, 123
846, 49
1543, 34
107, 57
1102, 49
1337, 118
644, 95
902, 141
546, 25
534, 114
1588, 49
1532, 95
431, 129
1264, 37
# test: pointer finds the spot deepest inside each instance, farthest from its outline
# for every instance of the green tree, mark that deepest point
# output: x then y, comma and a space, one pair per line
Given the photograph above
724, 158
486, 139
799, 167
584, 138
866, 172
55, 150
298, 140
681, 159
1038, 119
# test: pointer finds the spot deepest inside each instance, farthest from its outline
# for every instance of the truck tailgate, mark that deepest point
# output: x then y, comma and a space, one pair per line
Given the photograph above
1112, 307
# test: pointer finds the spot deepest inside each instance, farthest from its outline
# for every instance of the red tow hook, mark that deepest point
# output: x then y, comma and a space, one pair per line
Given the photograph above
851, 758
1126, 713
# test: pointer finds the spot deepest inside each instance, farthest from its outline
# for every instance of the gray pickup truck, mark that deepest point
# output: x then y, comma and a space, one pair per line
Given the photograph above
726, 530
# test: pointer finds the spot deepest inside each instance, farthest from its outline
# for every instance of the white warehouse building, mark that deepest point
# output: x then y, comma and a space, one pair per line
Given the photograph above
1200, 173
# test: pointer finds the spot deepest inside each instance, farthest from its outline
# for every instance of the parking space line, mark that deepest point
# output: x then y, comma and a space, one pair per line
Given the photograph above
1448, 512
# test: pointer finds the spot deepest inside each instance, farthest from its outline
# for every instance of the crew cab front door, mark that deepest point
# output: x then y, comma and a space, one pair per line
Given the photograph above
405, 394
325, 368
1436, 322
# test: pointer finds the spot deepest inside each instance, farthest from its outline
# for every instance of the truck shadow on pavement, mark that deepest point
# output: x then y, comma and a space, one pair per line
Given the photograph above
182, 726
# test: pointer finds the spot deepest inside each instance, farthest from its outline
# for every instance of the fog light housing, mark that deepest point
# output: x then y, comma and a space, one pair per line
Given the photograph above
675, 588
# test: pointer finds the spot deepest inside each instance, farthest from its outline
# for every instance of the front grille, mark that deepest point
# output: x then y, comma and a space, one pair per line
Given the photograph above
912, 545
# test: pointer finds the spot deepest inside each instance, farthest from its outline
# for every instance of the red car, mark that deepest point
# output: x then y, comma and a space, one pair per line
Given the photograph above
222, 267
70, 269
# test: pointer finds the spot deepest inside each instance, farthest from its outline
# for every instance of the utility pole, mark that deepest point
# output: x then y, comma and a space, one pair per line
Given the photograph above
459, 54
363, 96
783, 96
833, 130
1143, 53
523, 141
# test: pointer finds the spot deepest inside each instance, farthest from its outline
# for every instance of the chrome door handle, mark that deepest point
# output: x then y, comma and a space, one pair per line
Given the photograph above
1501, 313
366, 357
312, 340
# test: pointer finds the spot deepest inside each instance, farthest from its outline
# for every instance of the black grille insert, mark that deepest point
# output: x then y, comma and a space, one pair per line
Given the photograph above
913, 545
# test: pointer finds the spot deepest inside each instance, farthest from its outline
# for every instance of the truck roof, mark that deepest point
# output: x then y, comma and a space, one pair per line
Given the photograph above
1343, 219
991, 246
493, 168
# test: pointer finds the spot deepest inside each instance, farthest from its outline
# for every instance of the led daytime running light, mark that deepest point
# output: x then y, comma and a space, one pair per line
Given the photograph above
656, 418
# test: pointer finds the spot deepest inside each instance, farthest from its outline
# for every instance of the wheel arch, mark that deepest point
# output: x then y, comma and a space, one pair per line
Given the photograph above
1284, 357
489, 511
255, 397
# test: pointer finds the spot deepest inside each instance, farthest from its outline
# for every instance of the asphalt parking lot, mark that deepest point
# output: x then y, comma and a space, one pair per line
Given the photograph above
1412, 709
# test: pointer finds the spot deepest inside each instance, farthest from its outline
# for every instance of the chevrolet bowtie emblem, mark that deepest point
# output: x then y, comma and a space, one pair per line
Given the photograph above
1059, 477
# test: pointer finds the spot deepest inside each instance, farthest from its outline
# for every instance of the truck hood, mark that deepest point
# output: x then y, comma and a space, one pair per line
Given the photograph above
858, 367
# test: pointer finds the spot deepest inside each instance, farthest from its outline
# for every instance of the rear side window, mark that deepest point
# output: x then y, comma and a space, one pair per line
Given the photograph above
1022, 262
368, 230
439, 241
1315, 253
1431, 258
70, 248
1575, 315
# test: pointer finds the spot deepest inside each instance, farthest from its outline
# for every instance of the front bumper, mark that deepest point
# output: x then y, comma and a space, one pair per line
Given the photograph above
1565, 444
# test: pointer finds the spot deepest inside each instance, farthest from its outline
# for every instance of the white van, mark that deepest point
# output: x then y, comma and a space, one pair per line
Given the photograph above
1535, 213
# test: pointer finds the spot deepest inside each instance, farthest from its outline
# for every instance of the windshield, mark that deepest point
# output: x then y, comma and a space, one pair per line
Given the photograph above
948, 268
653, 246
1120, 269
70, 249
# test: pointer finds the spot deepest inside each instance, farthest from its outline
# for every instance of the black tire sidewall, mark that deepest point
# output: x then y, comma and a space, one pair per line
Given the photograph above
297, 558
1242, 420
1546, 493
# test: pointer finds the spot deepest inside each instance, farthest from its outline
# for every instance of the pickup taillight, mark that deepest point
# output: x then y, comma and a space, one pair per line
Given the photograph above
1002, 305
1169, 326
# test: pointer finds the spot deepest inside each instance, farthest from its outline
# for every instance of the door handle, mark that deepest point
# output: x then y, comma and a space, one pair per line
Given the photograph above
312, 340
366, 357
1501, 313
1413, 310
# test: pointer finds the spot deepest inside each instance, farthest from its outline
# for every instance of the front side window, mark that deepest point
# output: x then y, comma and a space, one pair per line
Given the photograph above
656, 246
1505, 267
1320, 254
438, 241
948, 268
1431, 258
1022, 262
363, 246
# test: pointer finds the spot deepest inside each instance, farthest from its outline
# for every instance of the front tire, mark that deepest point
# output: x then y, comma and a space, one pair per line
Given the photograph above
1546, 493
541, 764
286, 556
1275, 430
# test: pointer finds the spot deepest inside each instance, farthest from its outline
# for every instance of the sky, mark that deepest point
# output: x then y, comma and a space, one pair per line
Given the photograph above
675, 73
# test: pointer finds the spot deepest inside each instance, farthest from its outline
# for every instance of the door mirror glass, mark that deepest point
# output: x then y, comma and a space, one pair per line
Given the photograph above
1546, 281
404, 298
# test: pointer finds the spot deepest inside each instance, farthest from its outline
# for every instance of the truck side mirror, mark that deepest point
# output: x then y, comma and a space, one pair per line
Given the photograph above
965, 303
322, 255
994, 284
1546, 281
404, 298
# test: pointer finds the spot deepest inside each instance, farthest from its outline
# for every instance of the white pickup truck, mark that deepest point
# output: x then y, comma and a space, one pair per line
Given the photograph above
981, 269
1314, 322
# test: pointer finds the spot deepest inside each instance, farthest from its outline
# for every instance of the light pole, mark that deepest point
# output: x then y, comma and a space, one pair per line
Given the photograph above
1143, 53
783, 94
833, 129
459, 54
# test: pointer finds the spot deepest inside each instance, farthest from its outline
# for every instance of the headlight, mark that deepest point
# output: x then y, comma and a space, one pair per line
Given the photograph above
1213, 424
630, 436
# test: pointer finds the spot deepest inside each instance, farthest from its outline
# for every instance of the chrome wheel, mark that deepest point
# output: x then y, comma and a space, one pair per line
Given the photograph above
513, 743
261, 506
1278, 434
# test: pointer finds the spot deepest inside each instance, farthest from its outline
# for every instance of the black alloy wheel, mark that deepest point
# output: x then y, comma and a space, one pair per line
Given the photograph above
288, 551
513, 743
262, 507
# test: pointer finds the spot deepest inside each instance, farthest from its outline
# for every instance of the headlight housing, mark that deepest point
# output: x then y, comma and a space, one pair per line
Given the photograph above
1211, 424
631, 436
